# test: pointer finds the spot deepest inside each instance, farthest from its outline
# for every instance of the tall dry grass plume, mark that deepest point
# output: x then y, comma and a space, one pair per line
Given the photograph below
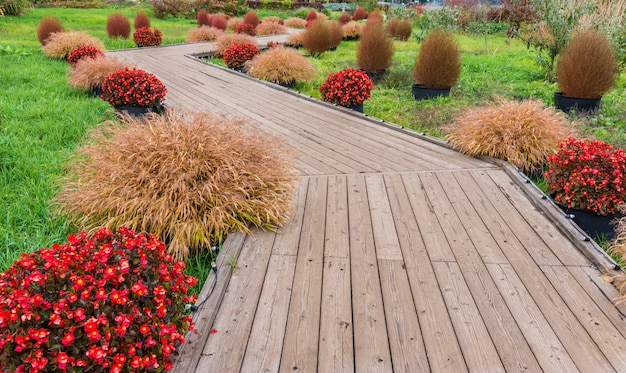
141, 20
522, 132
60, 44
118, 26
203, 33
295, 40
89, 73
282, 66
190, 178
336, 33
352, 30
252, 18
587, 67
316, 37
438, 63
270, 28
226, 40
375, 50
403, 30
47, 26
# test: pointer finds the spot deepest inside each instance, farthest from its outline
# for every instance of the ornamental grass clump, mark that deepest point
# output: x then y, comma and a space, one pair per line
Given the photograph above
84, 51
274, 19
60, 44
227, 40
316, 38
295, 40
233, 22
190, 178
203, 33
270, 28
391, 25
588, 175
118, 26
352, 30
280, 65
134, 87
236, 55
438, 63
348, 87
144, 37
618, 246
47, 26
587, 67
141, 20
107, 302
89, 73
522, 132
344, 18
375, 49
295, 22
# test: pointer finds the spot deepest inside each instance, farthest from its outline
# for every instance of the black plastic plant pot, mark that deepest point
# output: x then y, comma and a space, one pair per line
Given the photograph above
567, 103
421, 93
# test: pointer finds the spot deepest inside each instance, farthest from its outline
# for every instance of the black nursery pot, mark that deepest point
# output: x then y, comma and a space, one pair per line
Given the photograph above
567, 103
593, 224
420, 92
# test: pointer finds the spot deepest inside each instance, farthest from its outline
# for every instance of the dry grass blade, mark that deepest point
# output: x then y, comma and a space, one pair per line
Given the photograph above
203, 33
295, 22
282, 66
189, 178
270, 28
60, 44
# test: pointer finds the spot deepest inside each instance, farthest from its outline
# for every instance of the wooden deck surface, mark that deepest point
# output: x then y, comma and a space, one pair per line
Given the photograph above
402, 256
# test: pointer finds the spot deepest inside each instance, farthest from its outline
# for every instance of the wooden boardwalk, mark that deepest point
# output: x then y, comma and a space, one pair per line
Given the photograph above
402, 256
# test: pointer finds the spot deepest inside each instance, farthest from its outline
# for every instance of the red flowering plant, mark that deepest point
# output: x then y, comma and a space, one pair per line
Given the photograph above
144, 37
84, 51
588, 175
245, 28
133, 87
236, 55
347, 87
109, 302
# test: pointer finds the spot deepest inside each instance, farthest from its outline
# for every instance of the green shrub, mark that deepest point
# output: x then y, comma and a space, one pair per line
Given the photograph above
13, 7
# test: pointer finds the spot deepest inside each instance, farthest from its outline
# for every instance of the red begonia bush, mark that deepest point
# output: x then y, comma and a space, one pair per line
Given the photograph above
236, 55
84, 51
133, 87
347, 87
107, 302
144, 37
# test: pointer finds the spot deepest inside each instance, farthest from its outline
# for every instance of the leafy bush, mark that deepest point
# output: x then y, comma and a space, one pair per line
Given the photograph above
347, 87
144, 37
118, 25
587, 67
48, 25
316, 38
359, 14
282, 66
438, 63
188, 177
522, 132
295, 22
141, 20
403, 30
203, 33
13, 7
445, 18
336, 33
89, 73
203, 18
226, 40
236, 55
252, 18
588, 175
344, 18
111, 301
82, 52
60, 44
270, 28
352, 30
219, 21
133, 87
375, 49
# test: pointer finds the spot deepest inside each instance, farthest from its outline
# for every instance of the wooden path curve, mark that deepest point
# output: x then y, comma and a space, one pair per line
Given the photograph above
402, 256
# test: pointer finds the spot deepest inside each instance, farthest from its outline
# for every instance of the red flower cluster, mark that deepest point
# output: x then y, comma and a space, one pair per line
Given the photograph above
133, 87
236, 55
110, 302
274, 44
588, 175
347, 87
144, 37
84, 51
245, 28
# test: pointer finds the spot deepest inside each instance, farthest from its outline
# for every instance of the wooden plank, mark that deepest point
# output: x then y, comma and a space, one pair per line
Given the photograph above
561, 247
336, 347
547, 347
440, 342
478, 348
264, 347
408, 353
385, 235
371, 348
337, 238
514, 351
602, 331
289, 234
223, 351
300, 349
608, 299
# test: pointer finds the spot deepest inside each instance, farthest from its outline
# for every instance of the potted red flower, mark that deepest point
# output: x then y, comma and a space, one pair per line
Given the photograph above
236, 55
130, 89
145, 37
588, 176
349, 87
112, 301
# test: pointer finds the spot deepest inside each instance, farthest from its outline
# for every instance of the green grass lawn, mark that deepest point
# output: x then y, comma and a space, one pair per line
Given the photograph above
42, 119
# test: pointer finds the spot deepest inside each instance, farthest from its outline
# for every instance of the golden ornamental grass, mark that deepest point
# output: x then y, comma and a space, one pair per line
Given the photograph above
270, 28
295, 40
203, 33
60, 44
352, 30
522, 132
89, 73
190, 178
226, 40
295, 22
281, 65
232, 23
